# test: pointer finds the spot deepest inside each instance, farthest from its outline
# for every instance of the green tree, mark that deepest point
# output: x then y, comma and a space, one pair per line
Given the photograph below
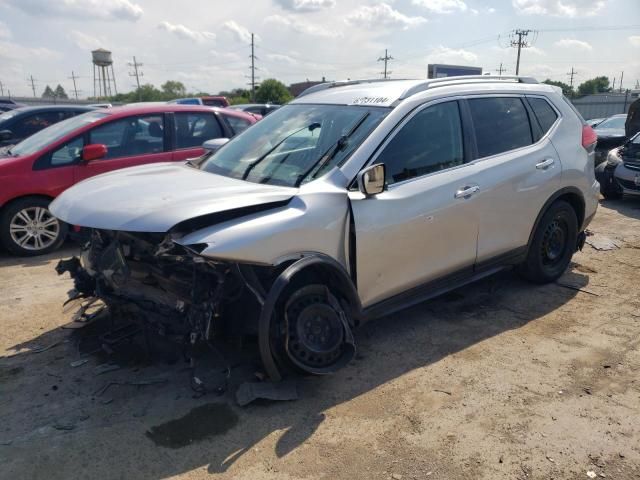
594, 85
566, 89
48, 93
173, 89
273, 91
238, 100
60, 93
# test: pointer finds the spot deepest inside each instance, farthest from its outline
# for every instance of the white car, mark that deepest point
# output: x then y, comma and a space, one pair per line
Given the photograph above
355, 200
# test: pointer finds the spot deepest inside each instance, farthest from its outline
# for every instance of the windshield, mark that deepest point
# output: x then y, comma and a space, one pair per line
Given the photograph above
616, 123
54, 133
295, 144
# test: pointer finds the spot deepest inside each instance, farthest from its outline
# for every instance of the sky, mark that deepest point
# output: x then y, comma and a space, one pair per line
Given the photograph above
205, 43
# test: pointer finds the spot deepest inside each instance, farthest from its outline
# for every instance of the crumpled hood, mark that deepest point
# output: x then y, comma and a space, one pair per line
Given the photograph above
154, 198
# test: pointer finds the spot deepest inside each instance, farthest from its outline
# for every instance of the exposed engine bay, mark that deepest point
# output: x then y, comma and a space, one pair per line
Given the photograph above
159, 286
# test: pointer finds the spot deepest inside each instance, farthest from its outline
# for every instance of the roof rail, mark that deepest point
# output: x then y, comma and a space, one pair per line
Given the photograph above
343, 83
445, 81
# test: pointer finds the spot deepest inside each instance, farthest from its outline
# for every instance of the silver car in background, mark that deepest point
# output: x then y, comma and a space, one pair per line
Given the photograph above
353, 201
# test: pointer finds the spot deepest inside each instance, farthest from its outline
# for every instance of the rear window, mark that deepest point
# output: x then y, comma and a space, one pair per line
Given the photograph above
237, 124
545, 114
501, 124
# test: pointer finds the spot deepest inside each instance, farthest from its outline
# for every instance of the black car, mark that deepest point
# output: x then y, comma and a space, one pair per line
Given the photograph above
8, 104
20, 123
610, 135
263, 109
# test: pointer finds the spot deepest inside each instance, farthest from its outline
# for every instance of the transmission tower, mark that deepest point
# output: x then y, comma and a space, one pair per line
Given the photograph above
253, 69
520, 43
385, 59
33, 84
135, 64
75, 89
571, 74
500, 69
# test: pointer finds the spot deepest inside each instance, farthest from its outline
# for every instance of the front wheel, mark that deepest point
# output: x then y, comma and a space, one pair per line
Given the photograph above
553, 244
28, 228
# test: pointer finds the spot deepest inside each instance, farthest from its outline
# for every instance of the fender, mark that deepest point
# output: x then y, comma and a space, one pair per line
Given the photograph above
547, 204
281, 282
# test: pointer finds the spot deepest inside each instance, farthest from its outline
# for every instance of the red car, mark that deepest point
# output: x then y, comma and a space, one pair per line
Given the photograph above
39, 168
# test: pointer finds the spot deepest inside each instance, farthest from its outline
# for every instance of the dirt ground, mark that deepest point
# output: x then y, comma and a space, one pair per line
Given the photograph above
501, 379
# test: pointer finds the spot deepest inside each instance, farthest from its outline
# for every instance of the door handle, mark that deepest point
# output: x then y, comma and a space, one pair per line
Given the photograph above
467, 191
546, 163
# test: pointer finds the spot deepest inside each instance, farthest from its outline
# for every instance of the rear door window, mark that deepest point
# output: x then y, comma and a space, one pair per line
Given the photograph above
131, 136
501, 124
195, 128
237, 124
545, 114
34, 123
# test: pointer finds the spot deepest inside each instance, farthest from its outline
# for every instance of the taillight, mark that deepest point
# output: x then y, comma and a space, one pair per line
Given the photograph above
589, 138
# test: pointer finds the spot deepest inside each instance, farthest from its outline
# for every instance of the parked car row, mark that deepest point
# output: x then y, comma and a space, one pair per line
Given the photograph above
36, 170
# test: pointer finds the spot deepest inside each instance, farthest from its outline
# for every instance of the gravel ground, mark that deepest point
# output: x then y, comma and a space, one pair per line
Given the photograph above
501, 379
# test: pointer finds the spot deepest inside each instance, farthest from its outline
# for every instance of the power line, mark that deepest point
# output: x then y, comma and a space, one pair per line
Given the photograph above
136, 74
520, 43
385, 59
73, 77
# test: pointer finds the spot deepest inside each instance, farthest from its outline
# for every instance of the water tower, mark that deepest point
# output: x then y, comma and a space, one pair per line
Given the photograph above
102, 78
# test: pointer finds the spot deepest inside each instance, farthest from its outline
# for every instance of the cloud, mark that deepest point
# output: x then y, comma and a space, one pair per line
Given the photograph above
536, 51
297, 25
237, 30
84, 41
186, 33
83, 9
442, 6
560, 8
443, 54
635, 40
574, 44
491, 10
306, 5
280, 58
5, 33
382, 15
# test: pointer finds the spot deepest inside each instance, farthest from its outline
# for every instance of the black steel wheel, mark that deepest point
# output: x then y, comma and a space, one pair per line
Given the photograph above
553, 244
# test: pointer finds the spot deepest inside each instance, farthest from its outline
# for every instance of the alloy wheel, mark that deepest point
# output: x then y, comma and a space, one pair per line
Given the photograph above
34, 228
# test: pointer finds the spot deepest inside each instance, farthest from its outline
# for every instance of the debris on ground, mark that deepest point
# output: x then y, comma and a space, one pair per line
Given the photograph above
106, 367
602, 243
80, 362
251, 391
591, 474
138, 383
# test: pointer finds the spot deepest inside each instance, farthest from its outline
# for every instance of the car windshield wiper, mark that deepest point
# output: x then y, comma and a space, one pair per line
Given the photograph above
332, 151
251, 166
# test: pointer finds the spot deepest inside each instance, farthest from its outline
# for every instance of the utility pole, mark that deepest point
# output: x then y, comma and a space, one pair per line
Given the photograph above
385, 59
520, 43
621, 77
571, 74
33, 85
1, 90
500, 69
73, 77
613, 87
136, 74
253, 69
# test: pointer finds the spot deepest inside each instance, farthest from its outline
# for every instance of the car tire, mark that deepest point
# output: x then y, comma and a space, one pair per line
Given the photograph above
27, 227
552, 245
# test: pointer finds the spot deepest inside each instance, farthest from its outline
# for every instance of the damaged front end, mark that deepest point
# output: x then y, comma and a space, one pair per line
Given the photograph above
162, 288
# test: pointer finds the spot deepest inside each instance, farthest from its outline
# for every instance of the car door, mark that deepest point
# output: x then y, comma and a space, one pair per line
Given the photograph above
518, 169
422, 227
130, 141
191, 130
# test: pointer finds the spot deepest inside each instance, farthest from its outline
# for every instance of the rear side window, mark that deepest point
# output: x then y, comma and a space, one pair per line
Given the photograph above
501, 124
36, 122
237, 124
193, 129
545, 114
131, 136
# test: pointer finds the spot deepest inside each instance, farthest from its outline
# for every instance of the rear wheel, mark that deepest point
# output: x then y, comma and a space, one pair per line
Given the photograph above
553, 244
28, 228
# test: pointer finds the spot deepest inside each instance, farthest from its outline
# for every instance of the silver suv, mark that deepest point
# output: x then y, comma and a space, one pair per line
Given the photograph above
355, 200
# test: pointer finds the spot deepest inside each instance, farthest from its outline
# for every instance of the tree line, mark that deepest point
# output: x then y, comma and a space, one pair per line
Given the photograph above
269, 91
588, 87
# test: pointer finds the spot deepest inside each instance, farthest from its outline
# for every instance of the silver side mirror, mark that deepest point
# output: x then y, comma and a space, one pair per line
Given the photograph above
371, 179
215, 144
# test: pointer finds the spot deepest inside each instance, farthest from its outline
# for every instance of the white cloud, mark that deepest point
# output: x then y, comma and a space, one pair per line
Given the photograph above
84, 9
306, 5
443, 54
382, 15
186, 33
491, 10
4, 31
280, 58
635, 40
297, 25
84, 41
442, 6
241, 33
536, 51
561, 8
574, 44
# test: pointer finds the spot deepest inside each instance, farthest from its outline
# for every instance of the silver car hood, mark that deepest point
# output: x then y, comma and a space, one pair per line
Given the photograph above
154, 198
